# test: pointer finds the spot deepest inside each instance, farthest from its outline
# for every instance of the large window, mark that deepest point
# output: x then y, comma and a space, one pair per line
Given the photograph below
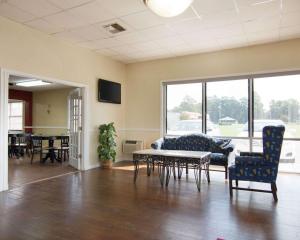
227, 108
15, 115
184, 108
238, 109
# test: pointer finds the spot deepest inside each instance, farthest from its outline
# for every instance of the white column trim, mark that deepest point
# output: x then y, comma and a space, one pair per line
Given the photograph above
3, 130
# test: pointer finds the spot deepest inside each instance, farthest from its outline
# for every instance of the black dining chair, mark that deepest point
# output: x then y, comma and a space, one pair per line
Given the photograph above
36, 147
12, 146
22, 144
63, 152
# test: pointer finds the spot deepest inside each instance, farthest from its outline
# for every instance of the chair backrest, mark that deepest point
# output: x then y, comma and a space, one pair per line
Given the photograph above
272, 143
21, 138
64, 141
36, 142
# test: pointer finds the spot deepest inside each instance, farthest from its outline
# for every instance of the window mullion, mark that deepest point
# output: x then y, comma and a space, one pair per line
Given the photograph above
204, 107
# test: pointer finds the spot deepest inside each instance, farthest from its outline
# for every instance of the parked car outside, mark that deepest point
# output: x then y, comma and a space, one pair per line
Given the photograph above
193, 126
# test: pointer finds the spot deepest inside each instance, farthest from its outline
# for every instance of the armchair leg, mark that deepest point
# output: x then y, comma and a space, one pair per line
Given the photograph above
230, 188
226, 172
274, 191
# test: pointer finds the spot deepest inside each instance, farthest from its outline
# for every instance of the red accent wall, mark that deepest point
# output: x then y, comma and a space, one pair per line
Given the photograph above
27, 98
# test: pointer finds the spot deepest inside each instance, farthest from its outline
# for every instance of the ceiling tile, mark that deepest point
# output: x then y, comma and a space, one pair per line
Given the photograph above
133, 37
92, 12
290, 19
169, 42
142, 20
65, 20
186, 15
231, 42
66, 4
204, 7
261, 24
69, 36
44, 26
90, 32
227, 31
189, 26
157, 32
106, 43
221, 19
149, 45
125, 49
38, 8
122, 8
263, 37
248, 11
15, 14
290, 6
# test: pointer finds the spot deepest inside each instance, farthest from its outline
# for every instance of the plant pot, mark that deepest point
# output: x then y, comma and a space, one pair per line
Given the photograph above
107, 164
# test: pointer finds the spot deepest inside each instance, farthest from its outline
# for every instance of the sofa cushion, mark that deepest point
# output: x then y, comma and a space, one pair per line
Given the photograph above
193, 142
169, 143
218, 159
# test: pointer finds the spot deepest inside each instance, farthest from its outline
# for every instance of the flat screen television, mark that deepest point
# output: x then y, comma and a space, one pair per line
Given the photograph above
109, 92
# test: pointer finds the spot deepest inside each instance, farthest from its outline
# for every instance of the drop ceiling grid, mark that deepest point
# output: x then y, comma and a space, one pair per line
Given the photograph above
209, 25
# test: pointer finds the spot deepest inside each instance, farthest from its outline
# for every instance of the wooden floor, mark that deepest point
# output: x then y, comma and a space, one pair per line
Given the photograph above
105, 204
21, 172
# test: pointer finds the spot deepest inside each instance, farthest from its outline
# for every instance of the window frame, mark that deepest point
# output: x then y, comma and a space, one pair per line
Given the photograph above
251, 78
11, 101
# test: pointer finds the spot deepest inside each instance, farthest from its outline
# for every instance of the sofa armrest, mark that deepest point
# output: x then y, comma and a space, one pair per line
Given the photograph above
227, 148
249, 161
251, 154
157, 144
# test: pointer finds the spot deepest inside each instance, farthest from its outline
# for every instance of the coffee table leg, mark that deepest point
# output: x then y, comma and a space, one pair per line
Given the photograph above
136, 169
207, 172
161, 172
148, 167
197, 172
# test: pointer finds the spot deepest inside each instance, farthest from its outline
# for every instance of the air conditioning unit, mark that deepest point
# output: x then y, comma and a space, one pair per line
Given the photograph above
129, 146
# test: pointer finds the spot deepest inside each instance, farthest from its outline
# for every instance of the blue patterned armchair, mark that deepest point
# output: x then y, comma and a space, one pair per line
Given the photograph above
259, 167
219, 148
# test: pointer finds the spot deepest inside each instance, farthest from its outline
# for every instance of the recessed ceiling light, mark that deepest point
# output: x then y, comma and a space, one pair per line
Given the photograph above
168, 8
32, 83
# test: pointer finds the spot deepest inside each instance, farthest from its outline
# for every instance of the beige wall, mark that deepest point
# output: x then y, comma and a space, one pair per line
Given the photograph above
143, 84
29, 51
50, 109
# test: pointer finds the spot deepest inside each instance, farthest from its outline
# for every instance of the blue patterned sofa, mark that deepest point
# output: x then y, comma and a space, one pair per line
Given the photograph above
220, 148
259, 167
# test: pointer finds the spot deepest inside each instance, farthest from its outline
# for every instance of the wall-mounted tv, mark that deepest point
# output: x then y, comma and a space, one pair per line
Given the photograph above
109, 92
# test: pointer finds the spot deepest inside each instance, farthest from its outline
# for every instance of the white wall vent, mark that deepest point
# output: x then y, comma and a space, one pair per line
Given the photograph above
129, 146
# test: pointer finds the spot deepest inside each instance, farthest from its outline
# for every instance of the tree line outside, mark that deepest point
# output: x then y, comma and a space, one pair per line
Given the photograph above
220, 107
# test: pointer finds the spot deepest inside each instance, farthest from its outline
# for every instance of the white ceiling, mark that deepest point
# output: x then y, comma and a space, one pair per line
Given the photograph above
13, 79
209, 25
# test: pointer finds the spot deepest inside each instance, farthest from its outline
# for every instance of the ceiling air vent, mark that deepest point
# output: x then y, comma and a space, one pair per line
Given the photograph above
114, 28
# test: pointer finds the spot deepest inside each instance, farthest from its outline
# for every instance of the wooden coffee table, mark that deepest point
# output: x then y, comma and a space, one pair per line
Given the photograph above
167, 160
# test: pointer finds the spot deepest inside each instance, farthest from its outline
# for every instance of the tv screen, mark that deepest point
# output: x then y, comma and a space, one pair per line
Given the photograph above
109, 92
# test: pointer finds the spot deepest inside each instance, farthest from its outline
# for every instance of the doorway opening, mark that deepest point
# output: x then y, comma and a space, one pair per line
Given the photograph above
44, 128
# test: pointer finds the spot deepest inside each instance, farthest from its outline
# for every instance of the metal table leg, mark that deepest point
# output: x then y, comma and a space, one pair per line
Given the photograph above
136, 169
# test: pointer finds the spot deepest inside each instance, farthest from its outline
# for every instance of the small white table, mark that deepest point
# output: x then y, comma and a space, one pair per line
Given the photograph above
168, 159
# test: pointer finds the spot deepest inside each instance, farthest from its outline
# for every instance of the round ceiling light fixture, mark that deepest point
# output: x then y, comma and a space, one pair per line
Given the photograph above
168, 8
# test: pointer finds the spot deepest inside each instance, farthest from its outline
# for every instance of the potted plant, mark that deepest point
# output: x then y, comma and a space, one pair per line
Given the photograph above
107, 145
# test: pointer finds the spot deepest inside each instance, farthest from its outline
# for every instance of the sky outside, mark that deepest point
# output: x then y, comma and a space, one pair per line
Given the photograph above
268, 89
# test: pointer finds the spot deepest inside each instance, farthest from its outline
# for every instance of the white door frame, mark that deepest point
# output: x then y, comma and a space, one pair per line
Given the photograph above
4, 75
